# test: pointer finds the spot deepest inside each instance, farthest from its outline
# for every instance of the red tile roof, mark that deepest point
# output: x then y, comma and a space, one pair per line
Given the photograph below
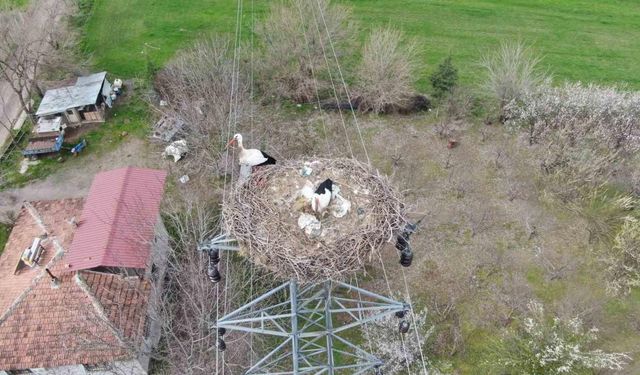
90, 318
69, 325
36, 219
118, 222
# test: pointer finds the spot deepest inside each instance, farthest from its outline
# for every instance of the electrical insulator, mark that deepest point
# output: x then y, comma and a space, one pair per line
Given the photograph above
401, 314
409, 229
402, 243
378, 370
406, 257
214, 274
404, 326
222, 331
222, 346
214, 257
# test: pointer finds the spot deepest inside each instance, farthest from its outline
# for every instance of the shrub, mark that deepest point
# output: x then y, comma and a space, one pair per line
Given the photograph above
385, 75
298, 39
512, 71
573, 171
543, 346
607, 115
623, 260
444, 79
196, 85
605, 213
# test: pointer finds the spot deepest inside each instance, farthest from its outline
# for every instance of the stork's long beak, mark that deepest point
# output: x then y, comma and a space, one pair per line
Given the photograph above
232, 141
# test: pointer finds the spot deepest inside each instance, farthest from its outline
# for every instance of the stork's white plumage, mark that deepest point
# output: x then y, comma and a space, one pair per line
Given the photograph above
322, 196
252, 156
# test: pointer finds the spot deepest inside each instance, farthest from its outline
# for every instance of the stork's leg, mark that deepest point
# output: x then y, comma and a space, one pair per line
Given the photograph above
245, 172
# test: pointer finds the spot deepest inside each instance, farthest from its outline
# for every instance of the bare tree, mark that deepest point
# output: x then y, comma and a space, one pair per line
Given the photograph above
6, 123
191, 303
204, 87
299, 38
33, 41
385, 75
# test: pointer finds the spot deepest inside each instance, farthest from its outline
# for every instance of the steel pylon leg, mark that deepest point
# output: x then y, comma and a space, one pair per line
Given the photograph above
309, 320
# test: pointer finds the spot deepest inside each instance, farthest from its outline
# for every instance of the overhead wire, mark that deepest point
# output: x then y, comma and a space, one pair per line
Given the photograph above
313, 75
251, 119
232, 122
414, 324
234, 100
404, 348
335, 91
368, 161
344, 83
364, 147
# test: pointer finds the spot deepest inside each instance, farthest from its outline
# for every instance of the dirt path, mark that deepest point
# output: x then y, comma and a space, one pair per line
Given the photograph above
72, 181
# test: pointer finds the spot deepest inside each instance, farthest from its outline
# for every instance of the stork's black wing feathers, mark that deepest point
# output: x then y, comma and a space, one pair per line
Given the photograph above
269, 160
325, 185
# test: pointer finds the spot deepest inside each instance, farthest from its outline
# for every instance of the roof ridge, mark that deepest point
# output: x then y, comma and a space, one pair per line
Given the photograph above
35, 281
95, 302
112, 228
36, 216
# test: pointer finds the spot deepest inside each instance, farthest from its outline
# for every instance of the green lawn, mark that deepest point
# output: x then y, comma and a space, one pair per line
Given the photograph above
124, 36
4, 235
580, 40
12, 3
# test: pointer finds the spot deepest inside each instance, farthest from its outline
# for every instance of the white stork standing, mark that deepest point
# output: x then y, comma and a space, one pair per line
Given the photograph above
250, 157
322, 196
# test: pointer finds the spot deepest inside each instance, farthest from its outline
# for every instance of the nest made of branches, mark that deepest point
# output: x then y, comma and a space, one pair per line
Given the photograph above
264, 211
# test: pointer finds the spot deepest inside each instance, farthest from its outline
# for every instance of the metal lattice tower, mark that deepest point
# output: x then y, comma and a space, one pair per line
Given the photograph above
309, 323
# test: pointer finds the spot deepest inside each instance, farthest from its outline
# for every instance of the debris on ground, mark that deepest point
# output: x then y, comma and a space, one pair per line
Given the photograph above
26, 163
176, 149
167, 128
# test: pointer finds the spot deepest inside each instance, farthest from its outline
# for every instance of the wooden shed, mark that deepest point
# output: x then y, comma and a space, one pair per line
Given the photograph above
84, 102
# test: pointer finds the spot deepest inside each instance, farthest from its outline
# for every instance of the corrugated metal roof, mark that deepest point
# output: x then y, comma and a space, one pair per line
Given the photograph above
84, 92
118, 220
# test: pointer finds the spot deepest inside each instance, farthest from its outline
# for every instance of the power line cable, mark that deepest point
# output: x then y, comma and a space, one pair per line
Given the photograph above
344, 84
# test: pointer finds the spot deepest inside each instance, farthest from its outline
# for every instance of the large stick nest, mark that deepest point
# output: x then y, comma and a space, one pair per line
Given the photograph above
264, 211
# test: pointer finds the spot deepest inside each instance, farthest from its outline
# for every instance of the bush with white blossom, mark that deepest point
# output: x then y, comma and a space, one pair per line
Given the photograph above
545, 346
398, 351
607, 115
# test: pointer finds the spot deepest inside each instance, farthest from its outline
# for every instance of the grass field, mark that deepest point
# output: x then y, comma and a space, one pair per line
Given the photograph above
128, 38
12, 3
580, 40
4, 235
